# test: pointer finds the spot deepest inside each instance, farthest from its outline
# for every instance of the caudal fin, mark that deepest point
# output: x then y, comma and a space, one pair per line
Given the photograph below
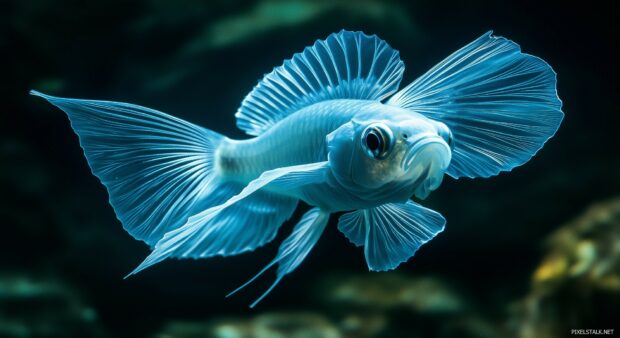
158, 169
160, 174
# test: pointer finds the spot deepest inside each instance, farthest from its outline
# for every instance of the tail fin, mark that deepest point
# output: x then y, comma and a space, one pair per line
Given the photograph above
158, 169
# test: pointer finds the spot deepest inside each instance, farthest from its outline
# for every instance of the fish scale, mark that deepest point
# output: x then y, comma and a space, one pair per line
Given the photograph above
298, 139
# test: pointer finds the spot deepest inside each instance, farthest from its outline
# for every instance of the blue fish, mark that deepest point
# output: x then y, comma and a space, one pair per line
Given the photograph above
331, 128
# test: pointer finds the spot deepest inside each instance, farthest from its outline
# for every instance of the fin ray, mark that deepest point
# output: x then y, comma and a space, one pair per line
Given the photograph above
155, 167
348, 65
500, 104
391, 233
353, 226
294, 249
198, 237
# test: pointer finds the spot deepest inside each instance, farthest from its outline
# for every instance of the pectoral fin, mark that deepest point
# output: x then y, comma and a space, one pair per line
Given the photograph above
501, 105
391, 233
215, 232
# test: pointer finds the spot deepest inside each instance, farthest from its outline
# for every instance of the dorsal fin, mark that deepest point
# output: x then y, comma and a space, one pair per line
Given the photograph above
346, 65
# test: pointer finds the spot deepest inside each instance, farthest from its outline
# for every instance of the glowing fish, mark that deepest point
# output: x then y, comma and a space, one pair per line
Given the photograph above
329, 131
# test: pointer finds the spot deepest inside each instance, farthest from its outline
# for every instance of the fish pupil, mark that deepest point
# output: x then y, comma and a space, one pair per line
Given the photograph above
377, 140
373, 142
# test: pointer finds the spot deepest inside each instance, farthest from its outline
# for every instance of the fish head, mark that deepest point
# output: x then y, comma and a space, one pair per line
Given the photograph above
395, 153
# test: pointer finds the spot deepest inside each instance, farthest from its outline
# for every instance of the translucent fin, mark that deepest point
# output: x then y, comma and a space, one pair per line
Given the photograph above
156, 167
294, 249
392, 232
353, 226
500, 104
243, 226
348, 65
220, 231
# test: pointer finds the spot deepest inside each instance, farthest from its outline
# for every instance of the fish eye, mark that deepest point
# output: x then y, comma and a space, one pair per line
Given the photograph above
377, 141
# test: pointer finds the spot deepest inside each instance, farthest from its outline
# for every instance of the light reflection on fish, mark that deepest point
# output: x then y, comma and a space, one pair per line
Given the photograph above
330, 130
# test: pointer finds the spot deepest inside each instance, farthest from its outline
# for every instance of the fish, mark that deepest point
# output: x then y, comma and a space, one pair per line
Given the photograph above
332, 128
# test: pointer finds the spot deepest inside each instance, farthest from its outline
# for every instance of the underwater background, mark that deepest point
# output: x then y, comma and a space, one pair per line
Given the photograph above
531, 253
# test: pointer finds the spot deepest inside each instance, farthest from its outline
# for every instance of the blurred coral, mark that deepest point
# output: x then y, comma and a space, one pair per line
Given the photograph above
393, 290
586, 250
578, 277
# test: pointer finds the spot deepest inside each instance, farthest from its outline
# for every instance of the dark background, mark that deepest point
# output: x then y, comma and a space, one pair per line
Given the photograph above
197, 60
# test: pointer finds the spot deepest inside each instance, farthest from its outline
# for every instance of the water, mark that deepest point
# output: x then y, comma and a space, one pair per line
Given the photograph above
63, 253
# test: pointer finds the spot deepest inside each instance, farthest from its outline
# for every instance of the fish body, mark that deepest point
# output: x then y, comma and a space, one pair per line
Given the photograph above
302, 137
329, 127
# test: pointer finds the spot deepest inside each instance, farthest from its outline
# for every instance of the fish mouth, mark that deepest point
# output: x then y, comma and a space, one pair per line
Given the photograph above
424, 164
427, 149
